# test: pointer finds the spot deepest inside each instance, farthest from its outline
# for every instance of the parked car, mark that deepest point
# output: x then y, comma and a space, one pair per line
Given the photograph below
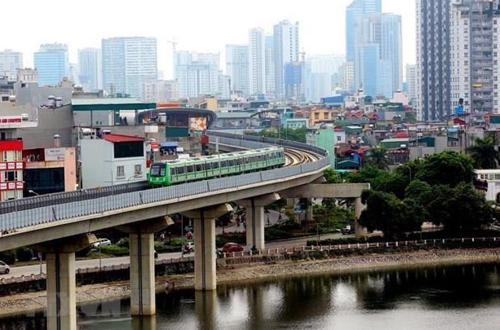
4, 268
101, 242
231, 247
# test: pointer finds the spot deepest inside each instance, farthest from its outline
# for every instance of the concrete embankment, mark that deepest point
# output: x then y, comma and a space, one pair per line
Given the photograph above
241, 272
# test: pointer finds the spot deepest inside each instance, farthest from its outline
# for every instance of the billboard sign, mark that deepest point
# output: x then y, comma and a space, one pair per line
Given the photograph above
198, 123
54, 154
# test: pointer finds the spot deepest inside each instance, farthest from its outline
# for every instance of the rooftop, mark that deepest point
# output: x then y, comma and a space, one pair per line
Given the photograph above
97, 104
122, 138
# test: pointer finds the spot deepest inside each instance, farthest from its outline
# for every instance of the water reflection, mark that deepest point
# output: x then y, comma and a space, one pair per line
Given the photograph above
461, 297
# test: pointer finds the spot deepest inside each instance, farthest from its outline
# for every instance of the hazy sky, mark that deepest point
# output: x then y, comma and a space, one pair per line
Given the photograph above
197, 25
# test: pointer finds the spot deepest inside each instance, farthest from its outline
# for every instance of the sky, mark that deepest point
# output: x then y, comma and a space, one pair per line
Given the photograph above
196, 25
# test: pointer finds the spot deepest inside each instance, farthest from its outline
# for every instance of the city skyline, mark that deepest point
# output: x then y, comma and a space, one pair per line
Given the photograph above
224, 28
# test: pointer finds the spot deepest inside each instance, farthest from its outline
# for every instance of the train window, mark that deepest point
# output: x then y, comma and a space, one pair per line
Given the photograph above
155, 170
190, 168
180, 170
173, 171
223, 163
199, 168
208, 166
230, 162
215, 165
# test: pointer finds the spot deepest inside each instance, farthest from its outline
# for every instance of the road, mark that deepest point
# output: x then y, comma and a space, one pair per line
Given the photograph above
103, 262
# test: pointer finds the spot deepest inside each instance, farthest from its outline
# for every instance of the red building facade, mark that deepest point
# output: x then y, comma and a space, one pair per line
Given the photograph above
11, 169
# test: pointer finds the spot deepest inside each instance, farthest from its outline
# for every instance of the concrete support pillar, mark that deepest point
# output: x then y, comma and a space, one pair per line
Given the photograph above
255, 226
205, 276
142, 264
256, 218
61, 283
360, 231
309, 211
61, 296
142, 274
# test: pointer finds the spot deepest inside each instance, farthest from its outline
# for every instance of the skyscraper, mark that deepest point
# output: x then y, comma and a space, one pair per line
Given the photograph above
354, 13
197, 73
237, 67
433, 59
383, 30
52, 64
474, 67
127, 63
257, 60
269, 71
286, 50
10, 61
90, 68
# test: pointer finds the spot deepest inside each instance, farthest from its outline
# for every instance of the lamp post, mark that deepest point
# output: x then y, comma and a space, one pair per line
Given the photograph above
33, 192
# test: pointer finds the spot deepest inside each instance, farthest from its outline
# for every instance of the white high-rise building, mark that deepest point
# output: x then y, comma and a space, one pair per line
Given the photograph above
474, 69
10, 61
237, 67
90, 68
319, 72
127, 63
157, 91
257, 60
286, 50
269, 71
411, 80
197, 73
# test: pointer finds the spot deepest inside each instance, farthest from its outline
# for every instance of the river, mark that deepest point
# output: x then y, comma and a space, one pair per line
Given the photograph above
444, 298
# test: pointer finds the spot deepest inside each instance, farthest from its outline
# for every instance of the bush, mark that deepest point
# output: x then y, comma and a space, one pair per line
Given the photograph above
114, 250
8, 257
24, 254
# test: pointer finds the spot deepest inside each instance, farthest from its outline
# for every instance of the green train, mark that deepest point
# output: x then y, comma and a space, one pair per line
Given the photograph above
162, 174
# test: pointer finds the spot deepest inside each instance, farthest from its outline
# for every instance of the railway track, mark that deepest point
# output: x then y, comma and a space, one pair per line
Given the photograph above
296, 157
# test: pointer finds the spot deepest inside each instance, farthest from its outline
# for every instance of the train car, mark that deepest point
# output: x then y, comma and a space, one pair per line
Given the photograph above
162, 174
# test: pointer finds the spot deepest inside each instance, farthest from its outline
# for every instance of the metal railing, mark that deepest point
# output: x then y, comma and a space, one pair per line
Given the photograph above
77, 205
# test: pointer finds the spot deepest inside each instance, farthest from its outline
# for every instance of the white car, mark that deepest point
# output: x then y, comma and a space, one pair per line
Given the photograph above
101, 242
4, 268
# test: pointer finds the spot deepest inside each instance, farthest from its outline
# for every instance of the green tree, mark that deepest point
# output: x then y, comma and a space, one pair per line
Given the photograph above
377, 157
483, 153
447, 168
392, 216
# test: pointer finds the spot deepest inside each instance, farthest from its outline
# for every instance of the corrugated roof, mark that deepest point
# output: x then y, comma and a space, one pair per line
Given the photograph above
122, 138
93, 101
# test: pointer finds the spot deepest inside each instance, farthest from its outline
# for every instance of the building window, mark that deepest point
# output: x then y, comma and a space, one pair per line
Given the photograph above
10, 176
138, 169
120, 172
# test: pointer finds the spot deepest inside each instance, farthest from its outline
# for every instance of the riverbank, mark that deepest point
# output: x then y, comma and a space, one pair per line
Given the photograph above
36, 301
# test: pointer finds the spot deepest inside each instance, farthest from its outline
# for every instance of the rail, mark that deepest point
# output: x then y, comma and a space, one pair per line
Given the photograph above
80, 206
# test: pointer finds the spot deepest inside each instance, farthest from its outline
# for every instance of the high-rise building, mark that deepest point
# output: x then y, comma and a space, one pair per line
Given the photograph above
269, 66
127, 63
411, 81
474, 67
90, 68
52, 64
433, 59
383, 30
237, 67
158, 91
10, 61
319, 72
286, 50
257, 60
197, 73
354, 14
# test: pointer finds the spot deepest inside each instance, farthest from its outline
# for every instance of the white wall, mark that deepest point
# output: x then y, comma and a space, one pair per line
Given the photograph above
100, 168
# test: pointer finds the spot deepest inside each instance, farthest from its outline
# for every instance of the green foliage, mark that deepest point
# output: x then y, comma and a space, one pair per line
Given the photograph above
24, 254
446, 168
392, 216
377, 157
114, 250
483, 153
8, 257
297, 135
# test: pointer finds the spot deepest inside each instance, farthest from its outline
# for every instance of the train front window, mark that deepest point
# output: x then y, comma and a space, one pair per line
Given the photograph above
157, 170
